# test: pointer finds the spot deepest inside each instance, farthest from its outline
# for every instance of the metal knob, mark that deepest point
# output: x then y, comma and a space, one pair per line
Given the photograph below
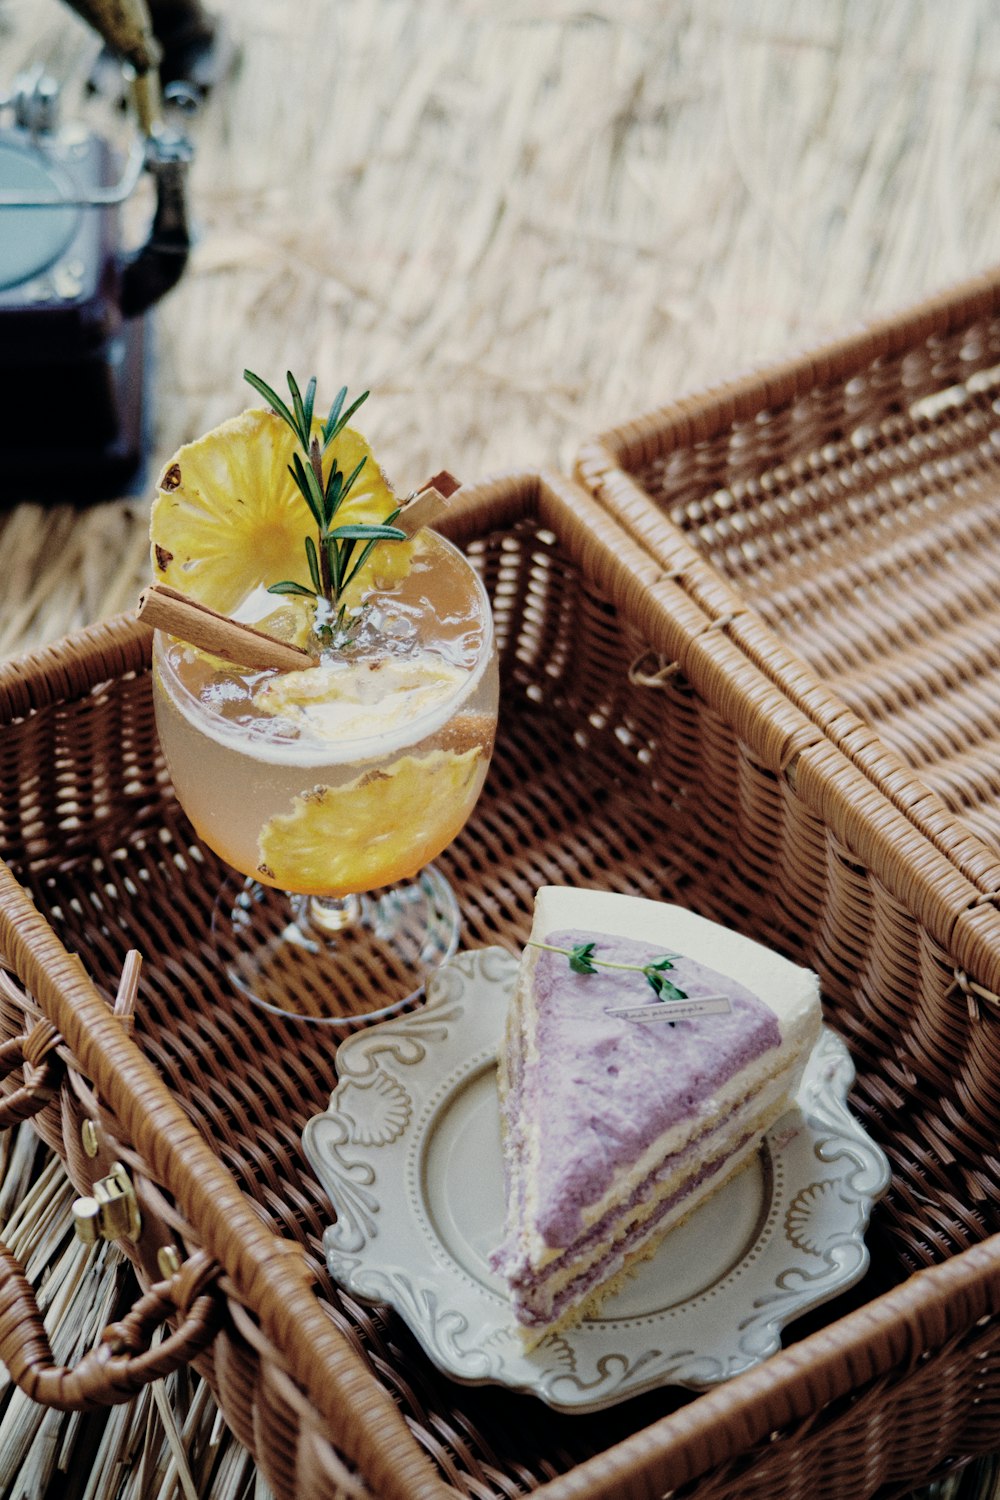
112, 1213
35, 97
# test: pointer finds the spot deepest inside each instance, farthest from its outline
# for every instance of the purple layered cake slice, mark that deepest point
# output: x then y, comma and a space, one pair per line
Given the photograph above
647, 1051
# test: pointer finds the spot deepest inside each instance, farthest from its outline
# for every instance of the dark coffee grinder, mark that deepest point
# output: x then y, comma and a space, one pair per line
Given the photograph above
74, 336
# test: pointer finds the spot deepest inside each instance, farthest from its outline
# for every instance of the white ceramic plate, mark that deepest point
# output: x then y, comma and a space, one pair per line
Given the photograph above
409, 1151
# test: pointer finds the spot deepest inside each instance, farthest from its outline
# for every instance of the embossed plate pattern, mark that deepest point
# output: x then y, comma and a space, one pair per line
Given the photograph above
409, 1151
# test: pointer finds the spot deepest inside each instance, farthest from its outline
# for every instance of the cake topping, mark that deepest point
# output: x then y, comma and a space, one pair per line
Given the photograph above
678, 1010
582, 961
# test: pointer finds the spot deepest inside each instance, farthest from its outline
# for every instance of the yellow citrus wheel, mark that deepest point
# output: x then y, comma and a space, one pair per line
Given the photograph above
380, 827
229, 517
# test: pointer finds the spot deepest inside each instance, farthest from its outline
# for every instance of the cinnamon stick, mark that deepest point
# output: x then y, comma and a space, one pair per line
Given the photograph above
444, 482
427, 504
167, 609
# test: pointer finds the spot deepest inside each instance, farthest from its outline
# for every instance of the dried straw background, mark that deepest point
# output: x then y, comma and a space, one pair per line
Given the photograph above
518, 223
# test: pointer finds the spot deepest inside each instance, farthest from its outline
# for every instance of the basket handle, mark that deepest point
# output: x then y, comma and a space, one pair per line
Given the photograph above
35, 1052
125, 1360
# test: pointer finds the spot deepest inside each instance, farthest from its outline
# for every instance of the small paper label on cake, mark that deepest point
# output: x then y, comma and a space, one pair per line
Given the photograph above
673, 1010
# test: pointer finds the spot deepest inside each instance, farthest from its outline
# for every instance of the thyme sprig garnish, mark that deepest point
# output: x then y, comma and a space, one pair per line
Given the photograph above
333, 558
582, 961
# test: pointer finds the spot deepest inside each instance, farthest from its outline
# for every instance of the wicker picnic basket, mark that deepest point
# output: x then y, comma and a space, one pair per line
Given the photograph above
704, 786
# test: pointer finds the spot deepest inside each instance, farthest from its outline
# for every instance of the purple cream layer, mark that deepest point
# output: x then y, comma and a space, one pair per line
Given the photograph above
603, 1087
529, 1286
522, 1274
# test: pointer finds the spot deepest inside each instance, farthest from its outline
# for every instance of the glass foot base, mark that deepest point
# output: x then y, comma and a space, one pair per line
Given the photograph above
335, 963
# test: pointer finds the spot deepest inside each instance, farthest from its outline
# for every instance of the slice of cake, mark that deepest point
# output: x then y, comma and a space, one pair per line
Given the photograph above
647, 1051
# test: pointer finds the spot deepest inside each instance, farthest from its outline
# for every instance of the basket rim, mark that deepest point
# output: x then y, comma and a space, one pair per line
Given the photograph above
701, 415
895, 1330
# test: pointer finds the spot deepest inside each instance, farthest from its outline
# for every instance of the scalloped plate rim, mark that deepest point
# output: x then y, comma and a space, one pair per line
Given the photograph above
412, 1068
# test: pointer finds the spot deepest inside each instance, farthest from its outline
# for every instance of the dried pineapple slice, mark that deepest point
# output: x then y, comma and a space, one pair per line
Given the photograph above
347, 698
380, 827
229, 518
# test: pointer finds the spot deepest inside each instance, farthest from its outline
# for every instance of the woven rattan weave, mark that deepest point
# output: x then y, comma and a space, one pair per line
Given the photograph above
701, 784
840, 513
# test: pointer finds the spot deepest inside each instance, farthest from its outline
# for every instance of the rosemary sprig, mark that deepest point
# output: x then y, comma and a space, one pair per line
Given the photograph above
333, 559
582, 961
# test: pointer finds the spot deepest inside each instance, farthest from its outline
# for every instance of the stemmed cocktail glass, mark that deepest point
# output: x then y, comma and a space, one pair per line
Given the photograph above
329, 791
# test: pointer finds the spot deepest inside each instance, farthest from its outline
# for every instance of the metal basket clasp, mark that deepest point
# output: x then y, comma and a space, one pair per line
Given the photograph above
112, 1213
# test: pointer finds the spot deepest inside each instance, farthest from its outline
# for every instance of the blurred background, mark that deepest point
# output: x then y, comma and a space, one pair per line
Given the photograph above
517, 224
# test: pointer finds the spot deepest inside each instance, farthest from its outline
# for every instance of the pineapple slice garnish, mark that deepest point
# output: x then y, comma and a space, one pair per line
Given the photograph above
325, 846
228, 517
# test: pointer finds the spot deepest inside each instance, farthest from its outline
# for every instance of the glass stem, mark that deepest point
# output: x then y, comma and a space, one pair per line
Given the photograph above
327, 915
